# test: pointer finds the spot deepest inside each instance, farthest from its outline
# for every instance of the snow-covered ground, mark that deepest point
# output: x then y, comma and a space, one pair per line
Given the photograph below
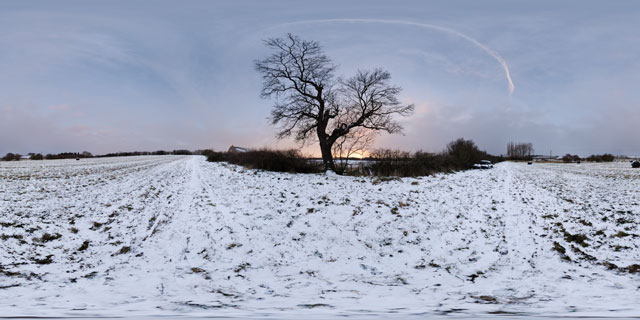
176, 235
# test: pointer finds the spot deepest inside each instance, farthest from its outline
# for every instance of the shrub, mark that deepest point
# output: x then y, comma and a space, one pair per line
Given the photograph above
36, 156
11, 157
213, 156
204, 152
273, 160
464, 153
460, 155
607, 157
568, 158
387, 162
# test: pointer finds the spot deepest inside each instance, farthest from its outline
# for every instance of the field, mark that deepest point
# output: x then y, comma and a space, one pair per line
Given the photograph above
176, 235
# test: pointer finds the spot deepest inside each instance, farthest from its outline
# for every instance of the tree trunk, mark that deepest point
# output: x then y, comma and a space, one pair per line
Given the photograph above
327, 157
325, 147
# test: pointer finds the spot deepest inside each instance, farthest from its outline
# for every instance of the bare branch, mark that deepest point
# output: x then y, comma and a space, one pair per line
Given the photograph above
309, 99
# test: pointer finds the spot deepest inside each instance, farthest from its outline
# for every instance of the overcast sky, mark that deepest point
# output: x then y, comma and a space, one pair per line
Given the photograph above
106, 76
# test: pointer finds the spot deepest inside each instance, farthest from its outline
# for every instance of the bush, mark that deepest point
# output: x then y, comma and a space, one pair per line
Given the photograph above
460, 155
274, 160
265, 159
387, 162
607, 157
213, 156
37, 156
463, 154
69, 155
11, 157
568, 158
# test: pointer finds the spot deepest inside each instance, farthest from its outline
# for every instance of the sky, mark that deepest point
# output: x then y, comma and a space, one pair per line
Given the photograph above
108, 76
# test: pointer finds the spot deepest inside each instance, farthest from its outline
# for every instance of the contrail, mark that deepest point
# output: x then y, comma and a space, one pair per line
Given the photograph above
486, 49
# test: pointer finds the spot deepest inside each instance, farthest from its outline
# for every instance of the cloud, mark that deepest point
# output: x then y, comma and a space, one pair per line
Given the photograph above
106, 77
450, 31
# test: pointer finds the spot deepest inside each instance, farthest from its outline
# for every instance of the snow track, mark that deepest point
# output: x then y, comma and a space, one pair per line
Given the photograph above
175, 235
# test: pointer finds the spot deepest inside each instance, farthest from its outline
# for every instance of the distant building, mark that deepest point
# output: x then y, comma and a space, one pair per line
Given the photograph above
546, 158
234, 149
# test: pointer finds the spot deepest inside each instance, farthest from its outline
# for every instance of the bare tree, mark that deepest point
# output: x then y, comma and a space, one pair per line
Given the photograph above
519, 151
356, 142
313, 105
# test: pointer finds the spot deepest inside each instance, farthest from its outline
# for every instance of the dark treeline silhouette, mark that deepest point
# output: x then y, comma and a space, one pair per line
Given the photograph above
80, 155
147, 153
69, 155
152, 153
570, 158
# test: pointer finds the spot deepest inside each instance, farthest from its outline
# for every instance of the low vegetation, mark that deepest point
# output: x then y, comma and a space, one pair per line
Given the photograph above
69, 155
11, 157
460, 154
607, 157
569, 158
272, 160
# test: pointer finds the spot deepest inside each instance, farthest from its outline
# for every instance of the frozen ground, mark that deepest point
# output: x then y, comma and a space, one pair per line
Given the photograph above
151, 236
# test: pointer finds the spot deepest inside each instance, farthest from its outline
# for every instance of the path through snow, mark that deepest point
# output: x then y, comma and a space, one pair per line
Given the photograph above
176, 235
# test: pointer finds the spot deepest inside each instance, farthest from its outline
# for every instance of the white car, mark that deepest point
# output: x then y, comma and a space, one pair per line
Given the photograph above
484, 164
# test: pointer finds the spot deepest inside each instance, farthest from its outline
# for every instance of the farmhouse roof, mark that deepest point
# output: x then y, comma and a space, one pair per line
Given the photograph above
237, 149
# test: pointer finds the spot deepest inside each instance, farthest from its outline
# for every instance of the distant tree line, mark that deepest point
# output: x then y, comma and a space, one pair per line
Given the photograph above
570, 158
80, 155
148, 153
519, 151
69, 155
11, 157
607, 157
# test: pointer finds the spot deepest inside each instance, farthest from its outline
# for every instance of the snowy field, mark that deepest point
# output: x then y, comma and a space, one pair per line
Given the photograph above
175, 236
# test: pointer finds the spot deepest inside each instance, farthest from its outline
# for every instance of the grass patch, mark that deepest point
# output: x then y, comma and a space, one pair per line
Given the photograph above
84, 246
562, 251
123, 250
621, 234
242, 267
47, 260
576, 238
234, 245
47, 237
486, 299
